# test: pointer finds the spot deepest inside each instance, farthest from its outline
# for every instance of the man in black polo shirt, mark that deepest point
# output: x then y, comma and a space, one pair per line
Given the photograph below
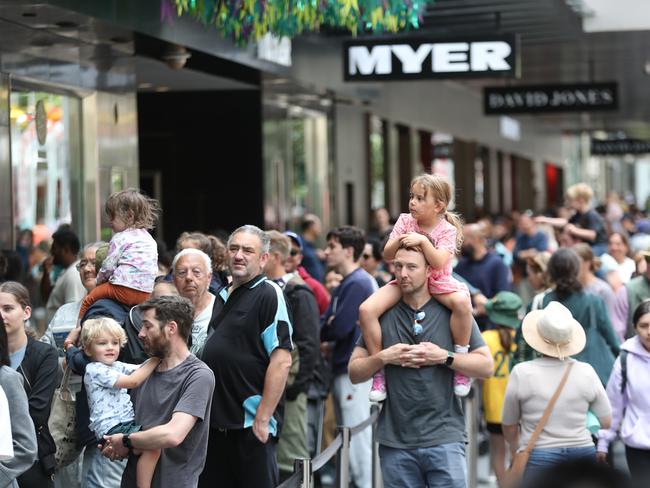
248, 349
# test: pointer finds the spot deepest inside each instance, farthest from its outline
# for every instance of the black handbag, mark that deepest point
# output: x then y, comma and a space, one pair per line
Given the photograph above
46, 450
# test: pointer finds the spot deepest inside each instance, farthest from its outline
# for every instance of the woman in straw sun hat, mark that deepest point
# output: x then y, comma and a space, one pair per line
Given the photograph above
556, 335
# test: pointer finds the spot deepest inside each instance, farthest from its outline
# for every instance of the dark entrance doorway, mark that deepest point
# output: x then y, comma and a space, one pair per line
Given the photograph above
201, 154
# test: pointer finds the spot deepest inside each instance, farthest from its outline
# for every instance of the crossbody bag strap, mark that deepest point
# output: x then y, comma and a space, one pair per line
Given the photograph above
65, 382
26, 378
548, 410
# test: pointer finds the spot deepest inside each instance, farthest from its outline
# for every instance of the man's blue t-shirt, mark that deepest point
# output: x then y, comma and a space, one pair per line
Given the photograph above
538, 241
488, 274
340, 322
311, 262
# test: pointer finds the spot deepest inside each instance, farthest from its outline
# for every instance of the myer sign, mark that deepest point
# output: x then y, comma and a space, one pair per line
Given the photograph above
408, 58
582, 97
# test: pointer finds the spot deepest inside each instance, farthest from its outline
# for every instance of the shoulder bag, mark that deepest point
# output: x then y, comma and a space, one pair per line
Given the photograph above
62, 423
515, 472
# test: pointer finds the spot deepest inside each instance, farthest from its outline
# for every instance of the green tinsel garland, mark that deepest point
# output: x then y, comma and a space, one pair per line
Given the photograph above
249, 20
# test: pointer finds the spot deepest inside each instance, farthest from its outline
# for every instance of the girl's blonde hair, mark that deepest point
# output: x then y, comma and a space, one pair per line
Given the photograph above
93, 328
134, 208
441, 191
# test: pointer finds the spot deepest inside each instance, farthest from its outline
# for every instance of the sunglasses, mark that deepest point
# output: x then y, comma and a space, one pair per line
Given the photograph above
294, 252
366, 256
418, 317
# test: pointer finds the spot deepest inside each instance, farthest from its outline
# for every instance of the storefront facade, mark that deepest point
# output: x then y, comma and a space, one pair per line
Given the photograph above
67, 124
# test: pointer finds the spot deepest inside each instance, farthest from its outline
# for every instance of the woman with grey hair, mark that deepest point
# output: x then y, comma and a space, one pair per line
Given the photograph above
65, 318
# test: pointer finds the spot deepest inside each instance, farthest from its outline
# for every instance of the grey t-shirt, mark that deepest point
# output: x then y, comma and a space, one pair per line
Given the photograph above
421, 409
186, 388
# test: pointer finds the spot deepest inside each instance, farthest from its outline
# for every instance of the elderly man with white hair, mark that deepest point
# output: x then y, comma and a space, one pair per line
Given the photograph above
192, 272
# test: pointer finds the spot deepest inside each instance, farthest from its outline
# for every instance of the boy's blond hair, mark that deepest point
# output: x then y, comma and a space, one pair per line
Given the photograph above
580, 191
92, 328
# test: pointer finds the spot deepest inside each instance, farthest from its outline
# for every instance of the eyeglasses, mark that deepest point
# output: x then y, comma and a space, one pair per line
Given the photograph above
418, 317
85, 262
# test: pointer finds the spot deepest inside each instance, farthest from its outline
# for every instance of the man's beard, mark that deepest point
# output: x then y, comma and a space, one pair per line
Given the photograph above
158, 348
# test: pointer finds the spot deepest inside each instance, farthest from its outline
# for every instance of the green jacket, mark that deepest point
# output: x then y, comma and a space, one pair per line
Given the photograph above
603, 345
638, 289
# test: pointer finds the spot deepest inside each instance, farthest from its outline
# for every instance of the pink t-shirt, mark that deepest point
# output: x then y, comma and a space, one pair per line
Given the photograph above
443, 236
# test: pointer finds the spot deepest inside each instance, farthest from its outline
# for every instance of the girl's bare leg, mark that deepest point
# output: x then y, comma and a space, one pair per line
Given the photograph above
369, 312
460, 324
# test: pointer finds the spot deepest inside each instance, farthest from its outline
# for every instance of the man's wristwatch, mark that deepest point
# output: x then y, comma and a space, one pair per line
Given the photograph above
126, 441
450, 359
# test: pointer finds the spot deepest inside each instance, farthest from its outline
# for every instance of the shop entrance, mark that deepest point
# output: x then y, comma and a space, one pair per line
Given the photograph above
45, 161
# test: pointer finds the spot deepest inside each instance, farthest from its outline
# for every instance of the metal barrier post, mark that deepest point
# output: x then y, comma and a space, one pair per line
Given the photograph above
343, 462
303, 465
471, 426
377, 481
319, 432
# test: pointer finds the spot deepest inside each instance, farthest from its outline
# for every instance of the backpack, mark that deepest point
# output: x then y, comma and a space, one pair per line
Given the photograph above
133, 350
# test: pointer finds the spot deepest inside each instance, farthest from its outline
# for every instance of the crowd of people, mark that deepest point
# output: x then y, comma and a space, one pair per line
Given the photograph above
212, 366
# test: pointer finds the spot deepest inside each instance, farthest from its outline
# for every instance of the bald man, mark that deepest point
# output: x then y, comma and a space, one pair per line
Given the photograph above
482, 268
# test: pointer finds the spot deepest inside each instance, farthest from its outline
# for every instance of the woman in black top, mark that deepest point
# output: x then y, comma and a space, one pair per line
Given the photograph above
38, 364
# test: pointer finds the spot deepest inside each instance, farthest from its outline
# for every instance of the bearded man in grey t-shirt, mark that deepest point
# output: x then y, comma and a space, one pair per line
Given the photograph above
421, 429
173, 404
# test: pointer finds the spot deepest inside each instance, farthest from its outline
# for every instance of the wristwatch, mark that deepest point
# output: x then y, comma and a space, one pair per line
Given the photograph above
126, 441
450, 359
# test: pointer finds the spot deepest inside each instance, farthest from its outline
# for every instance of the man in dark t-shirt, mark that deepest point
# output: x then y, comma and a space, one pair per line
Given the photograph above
482, 268
421, 430
173, 404
585, 224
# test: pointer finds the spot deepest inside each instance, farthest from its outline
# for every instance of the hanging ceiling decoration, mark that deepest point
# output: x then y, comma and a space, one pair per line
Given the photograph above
247, 21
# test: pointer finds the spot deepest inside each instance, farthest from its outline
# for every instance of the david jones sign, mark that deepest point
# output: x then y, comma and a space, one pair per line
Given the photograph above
550, 98
408, 58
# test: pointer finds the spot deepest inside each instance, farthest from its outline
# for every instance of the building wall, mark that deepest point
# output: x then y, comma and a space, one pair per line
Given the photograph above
350, 156
109, 155
7, 237
642, 177
437, 106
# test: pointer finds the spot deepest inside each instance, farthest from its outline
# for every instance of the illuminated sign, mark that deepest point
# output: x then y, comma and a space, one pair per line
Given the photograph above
406, 58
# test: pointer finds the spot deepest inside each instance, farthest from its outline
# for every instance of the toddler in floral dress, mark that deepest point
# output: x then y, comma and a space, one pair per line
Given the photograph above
128, 273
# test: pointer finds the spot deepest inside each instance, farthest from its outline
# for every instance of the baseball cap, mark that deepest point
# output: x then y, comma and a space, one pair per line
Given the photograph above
294, 237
